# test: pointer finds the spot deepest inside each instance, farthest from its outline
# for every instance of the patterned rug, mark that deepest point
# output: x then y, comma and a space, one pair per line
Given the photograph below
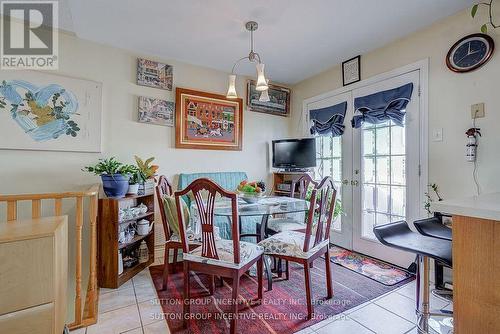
377, 270
283, 309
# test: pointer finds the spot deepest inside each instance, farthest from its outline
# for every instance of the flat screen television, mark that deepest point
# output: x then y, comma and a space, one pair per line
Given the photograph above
294, 153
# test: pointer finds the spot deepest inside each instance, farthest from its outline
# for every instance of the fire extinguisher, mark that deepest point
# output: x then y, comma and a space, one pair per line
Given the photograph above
471, 147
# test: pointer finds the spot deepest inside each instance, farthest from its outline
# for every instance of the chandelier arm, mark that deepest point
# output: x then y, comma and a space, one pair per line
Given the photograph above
237, 62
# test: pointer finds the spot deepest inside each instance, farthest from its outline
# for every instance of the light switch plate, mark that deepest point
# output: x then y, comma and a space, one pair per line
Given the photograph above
477, 110
437, 134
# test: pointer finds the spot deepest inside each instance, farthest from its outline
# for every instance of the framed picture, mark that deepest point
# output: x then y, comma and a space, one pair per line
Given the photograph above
47, 112
207, 121
351, 71
278, 104
154, 74
156, 111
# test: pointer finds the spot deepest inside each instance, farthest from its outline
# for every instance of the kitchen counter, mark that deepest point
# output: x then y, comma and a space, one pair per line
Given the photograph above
485, 206
476, 262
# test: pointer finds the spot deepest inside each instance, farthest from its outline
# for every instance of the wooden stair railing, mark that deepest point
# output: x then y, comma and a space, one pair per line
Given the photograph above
88, 315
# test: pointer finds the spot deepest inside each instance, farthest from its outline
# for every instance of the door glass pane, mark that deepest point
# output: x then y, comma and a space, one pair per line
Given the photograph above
383, 198
397, 140
369, 170
398, 201
383, 170
398, 171
368, 222
369, 142
369, 197
382, 141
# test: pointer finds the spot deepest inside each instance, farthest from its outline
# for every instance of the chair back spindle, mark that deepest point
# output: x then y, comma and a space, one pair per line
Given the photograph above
322, 206
164, 188
205, 192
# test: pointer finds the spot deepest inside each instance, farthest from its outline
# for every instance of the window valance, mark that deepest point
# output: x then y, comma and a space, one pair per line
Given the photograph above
382, 106
328, 121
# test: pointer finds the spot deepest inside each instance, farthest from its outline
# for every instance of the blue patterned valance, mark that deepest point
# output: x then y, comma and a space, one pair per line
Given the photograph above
328, 121
382, 106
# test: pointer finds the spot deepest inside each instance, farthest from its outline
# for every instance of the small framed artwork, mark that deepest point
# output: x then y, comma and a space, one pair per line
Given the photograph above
154, 74
156, 111
278, 104
351, 71
207, 121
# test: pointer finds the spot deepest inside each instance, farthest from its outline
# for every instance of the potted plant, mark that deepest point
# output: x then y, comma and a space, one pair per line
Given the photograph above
148, 170
136, 179
114, 175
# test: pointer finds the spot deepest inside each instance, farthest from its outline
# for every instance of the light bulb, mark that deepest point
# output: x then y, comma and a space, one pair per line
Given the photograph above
264, 96
261, 79
231, 90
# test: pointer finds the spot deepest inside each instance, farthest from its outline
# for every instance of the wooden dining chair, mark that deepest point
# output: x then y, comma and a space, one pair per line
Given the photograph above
299, 190
305, 247
172, 241
225, 258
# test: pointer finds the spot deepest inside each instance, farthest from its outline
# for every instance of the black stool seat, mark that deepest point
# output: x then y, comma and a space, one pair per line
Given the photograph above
432, 227
399, 235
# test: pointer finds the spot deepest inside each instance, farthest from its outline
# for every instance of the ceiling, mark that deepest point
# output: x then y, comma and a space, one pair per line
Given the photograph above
296, 39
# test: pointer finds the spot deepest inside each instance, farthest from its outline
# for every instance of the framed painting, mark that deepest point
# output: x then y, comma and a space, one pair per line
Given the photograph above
156, 111
40, 111
154, 74
207, 121
278, 104
351, 71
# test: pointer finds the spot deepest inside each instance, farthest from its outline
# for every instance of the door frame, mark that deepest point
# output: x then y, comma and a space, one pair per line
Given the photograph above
423, 67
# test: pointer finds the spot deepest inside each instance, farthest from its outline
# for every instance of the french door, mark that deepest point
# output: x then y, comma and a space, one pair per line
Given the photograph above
386, 166
331, 161
376, 170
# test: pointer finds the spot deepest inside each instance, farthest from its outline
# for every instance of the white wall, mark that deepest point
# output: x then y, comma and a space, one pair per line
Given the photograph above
123, 136
450, 97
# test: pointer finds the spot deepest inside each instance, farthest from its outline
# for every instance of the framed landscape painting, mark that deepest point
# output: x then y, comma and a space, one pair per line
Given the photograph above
154, 74
47, 112
207, 121
278, 104
156, 111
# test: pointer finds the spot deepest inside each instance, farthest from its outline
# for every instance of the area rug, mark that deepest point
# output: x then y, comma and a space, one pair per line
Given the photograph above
377, 270
283, 310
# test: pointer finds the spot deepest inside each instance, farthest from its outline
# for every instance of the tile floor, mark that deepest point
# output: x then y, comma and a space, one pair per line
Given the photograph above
131, 309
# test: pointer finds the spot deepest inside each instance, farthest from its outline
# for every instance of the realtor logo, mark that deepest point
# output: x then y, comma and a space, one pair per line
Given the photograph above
29, 35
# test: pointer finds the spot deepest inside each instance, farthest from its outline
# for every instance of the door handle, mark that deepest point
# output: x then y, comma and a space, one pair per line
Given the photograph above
354, 183
345, 182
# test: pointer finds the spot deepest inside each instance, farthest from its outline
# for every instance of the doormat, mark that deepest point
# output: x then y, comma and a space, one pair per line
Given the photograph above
377, 270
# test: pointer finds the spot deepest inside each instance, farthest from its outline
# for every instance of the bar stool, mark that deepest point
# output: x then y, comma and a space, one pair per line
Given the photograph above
399, 235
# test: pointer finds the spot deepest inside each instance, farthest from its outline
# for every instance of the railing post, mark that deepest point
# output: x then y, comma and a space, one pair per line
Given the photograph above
78, 262
36, 208
11, 210
58, 206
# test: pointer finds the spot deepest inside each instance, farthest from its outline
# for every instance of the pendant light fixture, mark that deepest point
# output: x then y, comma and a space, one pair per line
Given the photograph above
254, 57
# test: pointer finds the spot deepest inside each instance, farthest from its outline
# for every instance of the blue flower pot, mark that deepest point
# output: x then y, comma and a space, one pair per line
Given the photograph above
115, 185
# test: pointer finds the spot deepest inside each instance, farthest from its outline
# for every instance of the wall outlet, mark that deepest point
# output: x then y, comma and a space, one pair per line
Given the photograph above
477, 110
437, 134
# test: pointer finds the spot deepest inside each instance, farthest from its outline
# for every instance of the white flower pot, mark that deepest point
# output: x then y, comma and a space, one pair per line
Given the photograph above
133, 189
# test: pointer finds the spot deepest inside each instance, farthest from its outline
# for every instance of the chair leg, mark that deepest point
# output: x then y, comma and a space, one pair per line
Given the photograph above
211, 284
235, 294
329, 287
165, 268
260, 278
311, 265
186, 305
269, 274
287, 270
174, 262
307, 276
280, 268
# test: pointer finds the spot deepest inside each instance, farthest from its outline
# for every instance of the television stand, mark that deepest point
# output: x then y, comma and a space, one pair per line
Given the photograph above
283, 180
296, 170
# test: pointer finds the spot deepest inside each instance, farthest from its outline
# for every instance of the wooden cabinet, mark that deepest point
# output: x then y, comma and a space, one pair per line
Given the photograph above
282, 182
33, 275
108, 227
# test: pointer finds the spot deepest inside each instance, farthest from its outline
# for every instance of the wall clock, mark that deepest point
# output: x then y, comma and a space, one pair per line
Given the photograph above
470, 53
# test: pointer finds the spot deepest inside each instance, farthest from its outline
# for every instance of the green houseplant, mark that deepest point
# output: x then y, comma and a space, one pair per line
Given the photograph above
147, 172
114, 175
136, 178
